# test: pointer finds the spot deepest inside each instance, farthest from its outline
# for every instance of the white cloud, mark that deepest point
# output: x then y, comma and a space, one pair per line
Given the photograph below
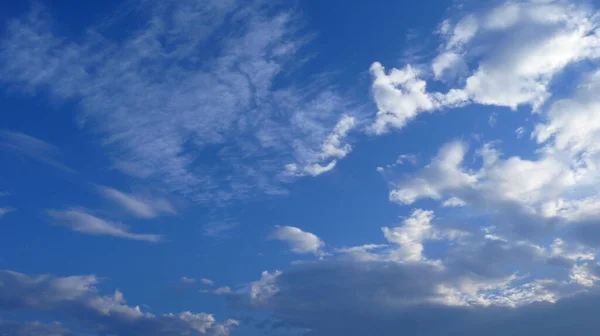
399, 96
442, 174
5, 210
300, 242
32, 147
78, 298
81, 221
139, 207
410, 235
262, 290
164, 108
188, 281
583, 276
222, 290
454, 202
534, 41
207, 282
331, 150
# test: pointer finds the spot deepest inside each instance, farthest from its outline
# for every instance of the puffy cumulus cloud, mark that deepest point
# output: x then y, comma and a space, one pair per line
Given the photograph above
411, 235
442, 174
400, 95
213, 125
300, 242
534, 41
138, 206
77, 299
80, 220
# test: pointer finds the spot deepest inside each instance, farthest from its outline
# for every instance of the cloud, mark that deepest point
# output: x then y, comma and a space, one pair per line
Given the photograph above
188, 281
142, 208
300, 242
475, 286
207, 282
454, 202
219, 291
35, 328
443, 173
5, 210
77, 299
399, 96
80, 221
331, 149
411, 234
534, 42
32, 147
214, 126
219, 229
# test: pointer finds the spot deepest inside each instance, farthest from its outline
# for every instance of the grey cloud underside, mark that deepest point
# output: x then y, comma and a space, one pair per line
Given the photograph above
76, 299
343, 298
190, 98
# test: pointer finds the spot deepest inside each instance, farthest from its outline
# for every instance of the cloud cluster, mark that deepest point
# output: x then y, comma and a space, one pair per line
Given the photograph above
77, 298
197, 98
533, 42
477, 283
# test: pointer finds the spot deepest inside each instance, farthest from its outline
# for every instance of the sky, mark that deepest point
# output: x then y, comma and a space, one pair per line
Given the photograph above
229, 167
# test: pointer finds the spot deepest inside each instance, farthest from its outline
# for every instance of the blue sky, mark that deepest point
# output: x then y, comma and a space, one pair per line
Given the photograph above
299, 168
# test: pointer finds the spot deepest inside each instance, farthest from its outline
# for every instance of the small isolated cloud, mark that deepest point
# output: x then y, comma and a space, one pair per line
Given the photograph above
138, 206
219, 229
207, 282
80, 221
188, 281
300, 242
32, 147
219, 291
5, 210
519, 132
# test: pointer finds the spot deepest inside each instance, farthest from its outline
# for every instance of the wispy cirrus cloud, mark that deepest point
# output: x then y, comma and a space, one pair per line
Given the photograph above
32, 147
138, 205
81, 221
213, 125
